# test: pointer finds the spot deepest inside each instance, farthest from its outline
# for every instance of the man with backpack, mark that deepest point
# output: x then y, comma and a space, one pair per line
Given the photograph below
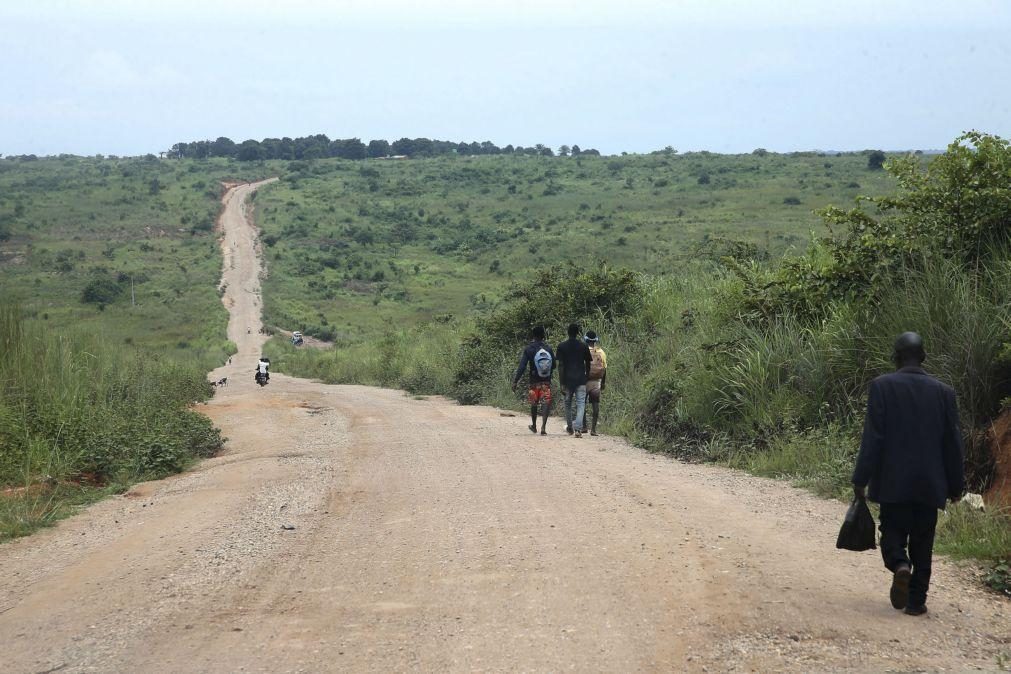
574, 360
541, 361
597, 378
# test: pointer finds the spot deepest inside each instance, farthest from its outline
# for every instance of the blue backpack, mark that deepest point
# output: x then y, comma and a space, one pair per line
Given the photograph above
542, 362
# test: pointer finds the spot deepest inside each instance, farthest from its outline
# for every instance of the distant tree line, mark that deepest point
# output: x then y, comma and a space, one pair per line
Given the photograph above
319, 147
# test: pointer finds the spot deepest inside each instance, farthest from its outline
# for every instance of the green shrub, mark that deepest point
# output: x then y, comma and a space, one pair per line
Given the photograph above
102, 289
999, 577
73, 408
552, 299
957, 209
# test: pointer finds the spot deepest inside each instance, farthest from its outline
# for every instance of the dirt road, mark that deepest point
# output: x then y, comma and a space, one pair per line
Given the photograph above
356, 529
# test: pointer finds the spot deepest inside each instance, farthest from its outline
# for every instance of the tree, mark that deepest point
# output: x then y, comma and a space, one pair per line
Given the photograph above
876, 160
378, 148
348, 148
575, 151
563, 151
250, 150
423, 147
404, 146
179, 150
222, 147
200, 149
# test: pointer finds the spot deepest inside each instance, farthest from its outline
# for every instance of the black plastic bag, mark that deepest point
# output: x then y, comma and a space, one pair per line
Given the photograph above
857, 532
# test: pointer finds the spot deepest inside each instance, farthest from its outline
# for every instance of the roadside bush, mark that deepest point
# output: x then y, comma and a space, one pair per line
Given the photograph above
553, 298
998, 578
959, 208
73, 409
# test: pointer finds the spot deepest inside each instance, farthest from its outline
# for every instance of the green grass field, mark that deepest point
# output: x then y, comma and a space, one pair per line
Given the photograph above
355, 248
138, 232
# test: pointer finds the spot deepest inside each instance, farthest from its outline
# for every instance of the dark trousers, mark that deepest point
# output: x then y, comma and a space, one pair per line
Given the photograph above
907, 537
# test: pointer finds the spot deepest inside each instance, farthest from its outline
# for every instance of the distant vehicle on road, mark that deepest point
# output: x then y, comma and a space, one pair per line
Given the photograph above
296, 338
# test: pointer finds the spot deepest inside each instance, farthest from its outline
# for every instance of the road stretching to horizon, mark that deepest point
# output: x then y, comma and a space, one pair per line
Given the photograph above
361, 529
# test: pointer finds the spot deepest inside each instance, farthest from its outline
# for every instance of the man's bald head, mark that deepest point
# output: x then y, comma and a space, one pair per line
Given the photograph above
908, 350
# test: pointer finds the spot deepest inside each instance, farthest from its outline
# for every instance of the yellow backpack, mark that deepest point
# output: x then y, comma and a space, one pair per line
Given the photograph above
596, 364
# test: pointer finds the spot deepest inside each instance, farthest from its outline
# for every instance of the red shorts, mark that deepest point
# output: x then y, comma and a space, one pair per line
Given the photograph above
540, 392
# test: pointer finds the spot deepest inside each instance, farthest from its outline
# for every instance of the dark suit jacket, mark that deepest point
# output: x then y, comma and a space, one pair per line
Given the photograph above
911, 450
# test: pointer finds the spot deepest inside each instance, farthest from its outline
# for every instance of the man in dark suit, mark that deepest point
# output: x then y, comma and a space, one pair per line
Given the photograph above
911, 456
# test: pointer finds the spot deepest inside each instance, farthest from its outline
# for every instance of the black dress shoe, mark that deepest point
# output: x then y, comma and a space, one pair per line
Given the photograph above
915, 610
900, 587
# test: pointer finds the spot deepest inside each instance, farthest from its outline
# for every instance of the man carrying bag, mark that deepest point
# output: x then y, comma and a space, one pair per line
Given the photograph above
857, 532
911, 458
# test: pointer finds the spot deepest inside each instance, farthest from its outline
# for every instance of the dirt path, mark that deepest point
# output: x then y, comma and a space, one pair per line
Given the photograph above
428, 536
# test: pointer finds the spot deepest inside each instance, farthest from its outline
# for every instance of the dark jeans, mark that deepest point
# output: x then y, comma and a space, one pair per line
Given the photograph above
909, 526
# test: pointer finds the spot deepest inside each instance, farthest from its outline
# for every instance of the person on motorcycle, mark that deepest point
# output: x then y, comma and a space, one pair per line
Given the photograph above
262, 370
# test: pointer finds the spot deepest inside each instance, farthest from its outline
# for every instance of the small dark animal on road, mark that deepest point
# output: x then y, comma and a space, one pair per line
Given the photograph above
221, 382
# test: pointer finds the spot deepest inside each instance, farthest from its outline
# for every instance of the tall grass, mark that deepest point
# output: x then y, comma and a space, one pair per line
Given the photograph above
965, 532
77, 415
964, 316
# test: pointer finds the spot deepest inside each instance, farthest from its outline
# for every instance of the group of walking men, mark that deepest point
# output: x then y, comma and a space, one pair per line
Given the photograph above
582, 373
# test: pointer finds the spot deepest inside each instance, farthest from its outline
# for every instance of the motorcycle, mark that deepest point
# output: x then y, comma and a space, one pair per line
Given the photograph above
261, 378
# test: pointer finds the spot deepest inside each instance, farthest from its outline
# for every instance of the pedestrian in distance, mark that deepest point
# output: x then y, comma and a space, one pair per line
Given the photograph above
911, 458
540, 359
596, 378
574, 369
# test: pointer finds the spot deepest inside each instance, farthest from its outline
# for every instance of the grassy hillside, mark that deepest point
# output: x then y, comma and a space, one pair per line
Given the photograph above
762, 363
124, 249
354, 248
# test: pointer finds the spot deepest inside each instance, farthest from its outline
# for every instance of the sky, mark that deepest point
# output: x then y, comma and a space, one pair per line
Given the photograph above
130, 77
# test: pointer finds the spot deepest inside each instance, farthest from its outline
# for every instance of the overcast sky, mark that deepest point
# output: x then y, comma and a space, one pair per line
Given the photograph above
125, 77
